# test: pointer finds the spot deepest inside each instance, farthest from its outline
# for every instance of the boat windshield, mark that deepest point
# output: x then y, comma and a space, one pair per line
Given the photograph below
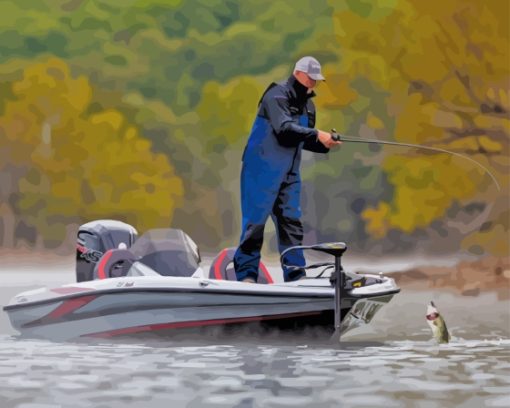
169, 252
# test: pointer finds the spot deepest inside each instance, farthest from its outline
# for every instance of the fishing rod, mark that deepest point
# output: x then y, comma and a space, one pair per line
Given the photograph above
337, 137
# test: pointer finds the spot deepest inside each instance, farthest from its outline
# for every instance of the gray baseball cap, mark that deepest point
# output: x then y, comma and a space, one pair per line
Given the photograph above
311, 67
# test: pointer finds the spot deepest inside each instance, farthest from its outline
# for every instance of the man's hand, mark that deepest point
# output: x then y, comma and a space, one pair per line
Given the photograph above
326, 139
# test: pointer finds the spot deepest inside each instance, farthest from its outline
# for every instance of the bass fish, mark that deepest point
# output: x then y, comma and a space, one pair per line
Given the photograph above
437, 324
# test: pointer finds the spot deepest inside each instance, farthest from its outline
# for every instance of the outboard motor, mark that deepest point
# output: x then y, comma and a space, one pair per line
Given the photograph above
97, 237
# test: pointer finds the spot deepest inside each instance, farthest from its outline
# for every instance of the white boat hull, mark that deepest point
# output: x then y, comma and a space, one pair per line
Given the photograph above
146, 304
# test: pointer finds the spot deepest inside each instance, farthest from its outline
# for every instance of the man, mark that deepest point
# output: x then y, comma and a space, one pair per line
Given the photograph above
270, 180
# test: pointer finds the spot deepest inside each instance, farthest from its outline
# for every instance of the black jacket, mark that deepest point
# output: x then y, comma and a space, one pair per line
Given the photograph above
282, 128
282, 104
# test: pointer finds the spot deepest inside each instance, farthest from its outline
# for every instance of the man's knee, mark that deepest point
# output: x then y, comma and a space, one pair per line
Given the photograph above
290, 230
252, 236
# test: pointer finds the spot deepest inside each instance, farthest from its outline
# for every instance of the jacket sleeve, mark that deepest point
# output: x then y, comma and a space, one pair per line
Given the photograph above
276, 108
313, 145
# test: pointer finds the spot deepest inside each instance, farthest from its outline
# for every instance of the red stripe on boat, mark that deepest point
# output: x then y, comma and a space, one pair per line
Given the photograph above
221, 257
69, 306
266, 273
101, 273
217, 272
196, 323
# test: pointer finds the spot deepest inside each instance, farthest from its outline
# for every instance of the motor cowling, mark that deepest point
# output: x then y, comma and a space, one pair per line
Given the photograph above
97, 237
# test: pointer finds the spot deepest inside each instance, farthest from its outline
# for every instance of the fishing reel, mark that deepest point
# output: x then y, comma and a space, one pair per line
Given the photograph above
337, 137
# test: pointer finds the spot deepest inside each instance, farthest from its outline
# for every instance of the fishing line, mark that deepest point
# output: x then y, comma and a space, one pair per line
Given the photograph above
342, 138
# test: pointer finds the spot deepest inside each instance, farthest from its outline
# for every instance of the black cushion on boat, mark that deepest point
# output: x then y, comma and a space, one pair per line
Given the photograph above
170, 252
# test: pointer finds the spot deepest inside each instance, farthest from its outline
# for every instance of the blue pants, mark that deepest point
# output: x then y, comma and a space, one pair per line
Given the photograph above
261, 198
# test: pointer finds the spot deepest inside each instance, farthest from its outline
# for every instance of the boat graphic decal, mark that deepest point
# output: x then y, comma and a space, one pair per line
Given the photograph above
197, 323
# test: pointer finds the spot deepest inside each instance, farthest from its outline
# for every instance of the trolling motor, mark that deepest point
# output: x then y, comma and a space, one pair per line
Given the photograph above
338, 279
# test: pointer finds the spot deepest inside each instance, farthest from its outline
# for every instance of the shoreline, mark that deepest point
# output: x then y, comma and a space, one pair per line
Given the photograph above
467, 277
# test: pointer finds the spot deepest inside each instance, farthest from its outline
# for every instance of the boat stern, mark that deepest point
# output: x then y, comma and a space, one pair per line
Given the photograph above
368, 301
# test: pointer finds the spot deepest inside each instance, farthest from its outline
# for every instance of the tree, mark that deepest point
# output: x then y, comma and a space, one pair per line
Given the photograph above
80, 166
428, 57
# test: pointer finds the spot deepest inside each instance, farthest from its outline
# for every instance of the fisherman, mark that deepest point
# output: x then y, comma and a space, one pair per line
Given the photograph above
270, 179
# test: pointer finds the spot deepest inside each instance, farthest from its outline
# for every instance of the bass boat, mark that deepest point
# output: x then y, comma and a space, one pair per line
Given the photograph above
154, 284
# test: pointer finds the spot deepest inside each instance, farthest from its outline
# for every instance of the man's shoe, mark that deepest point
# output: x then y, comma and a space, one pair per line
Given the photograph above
298, 279
248, 280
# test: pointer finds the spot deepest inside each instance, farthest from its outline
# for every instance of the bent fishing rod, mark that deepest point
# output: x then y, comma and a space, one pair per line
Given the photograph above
337, 137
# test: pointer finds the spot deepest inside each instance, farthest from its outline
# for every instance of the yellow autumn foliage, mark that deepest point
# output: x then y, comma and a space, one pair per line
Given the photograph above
377, 219
374, 122
87, 167
336, 92
489, 145
110, 117
446, 70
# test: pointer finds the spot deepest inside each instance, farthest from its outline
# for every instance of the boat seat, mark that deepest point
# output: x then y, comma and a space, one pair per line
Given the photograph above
222, 267
114, 263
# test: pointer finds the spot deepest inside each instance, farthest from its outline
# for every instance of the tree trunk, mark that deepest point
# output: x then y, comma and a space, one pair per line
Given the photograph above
8, 223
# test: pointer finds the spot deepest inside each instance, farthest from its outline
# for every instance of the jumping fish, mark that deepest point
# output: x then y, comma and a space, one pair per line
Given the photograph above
437, 324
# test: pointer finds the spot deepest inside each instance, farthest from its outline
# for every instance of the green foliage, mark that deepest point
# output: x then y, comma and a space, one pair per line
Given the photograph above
145, 111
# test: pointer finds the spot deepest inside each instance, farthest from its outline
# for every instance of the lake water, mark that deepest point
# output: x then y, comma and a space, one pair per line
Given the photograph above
391, 363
